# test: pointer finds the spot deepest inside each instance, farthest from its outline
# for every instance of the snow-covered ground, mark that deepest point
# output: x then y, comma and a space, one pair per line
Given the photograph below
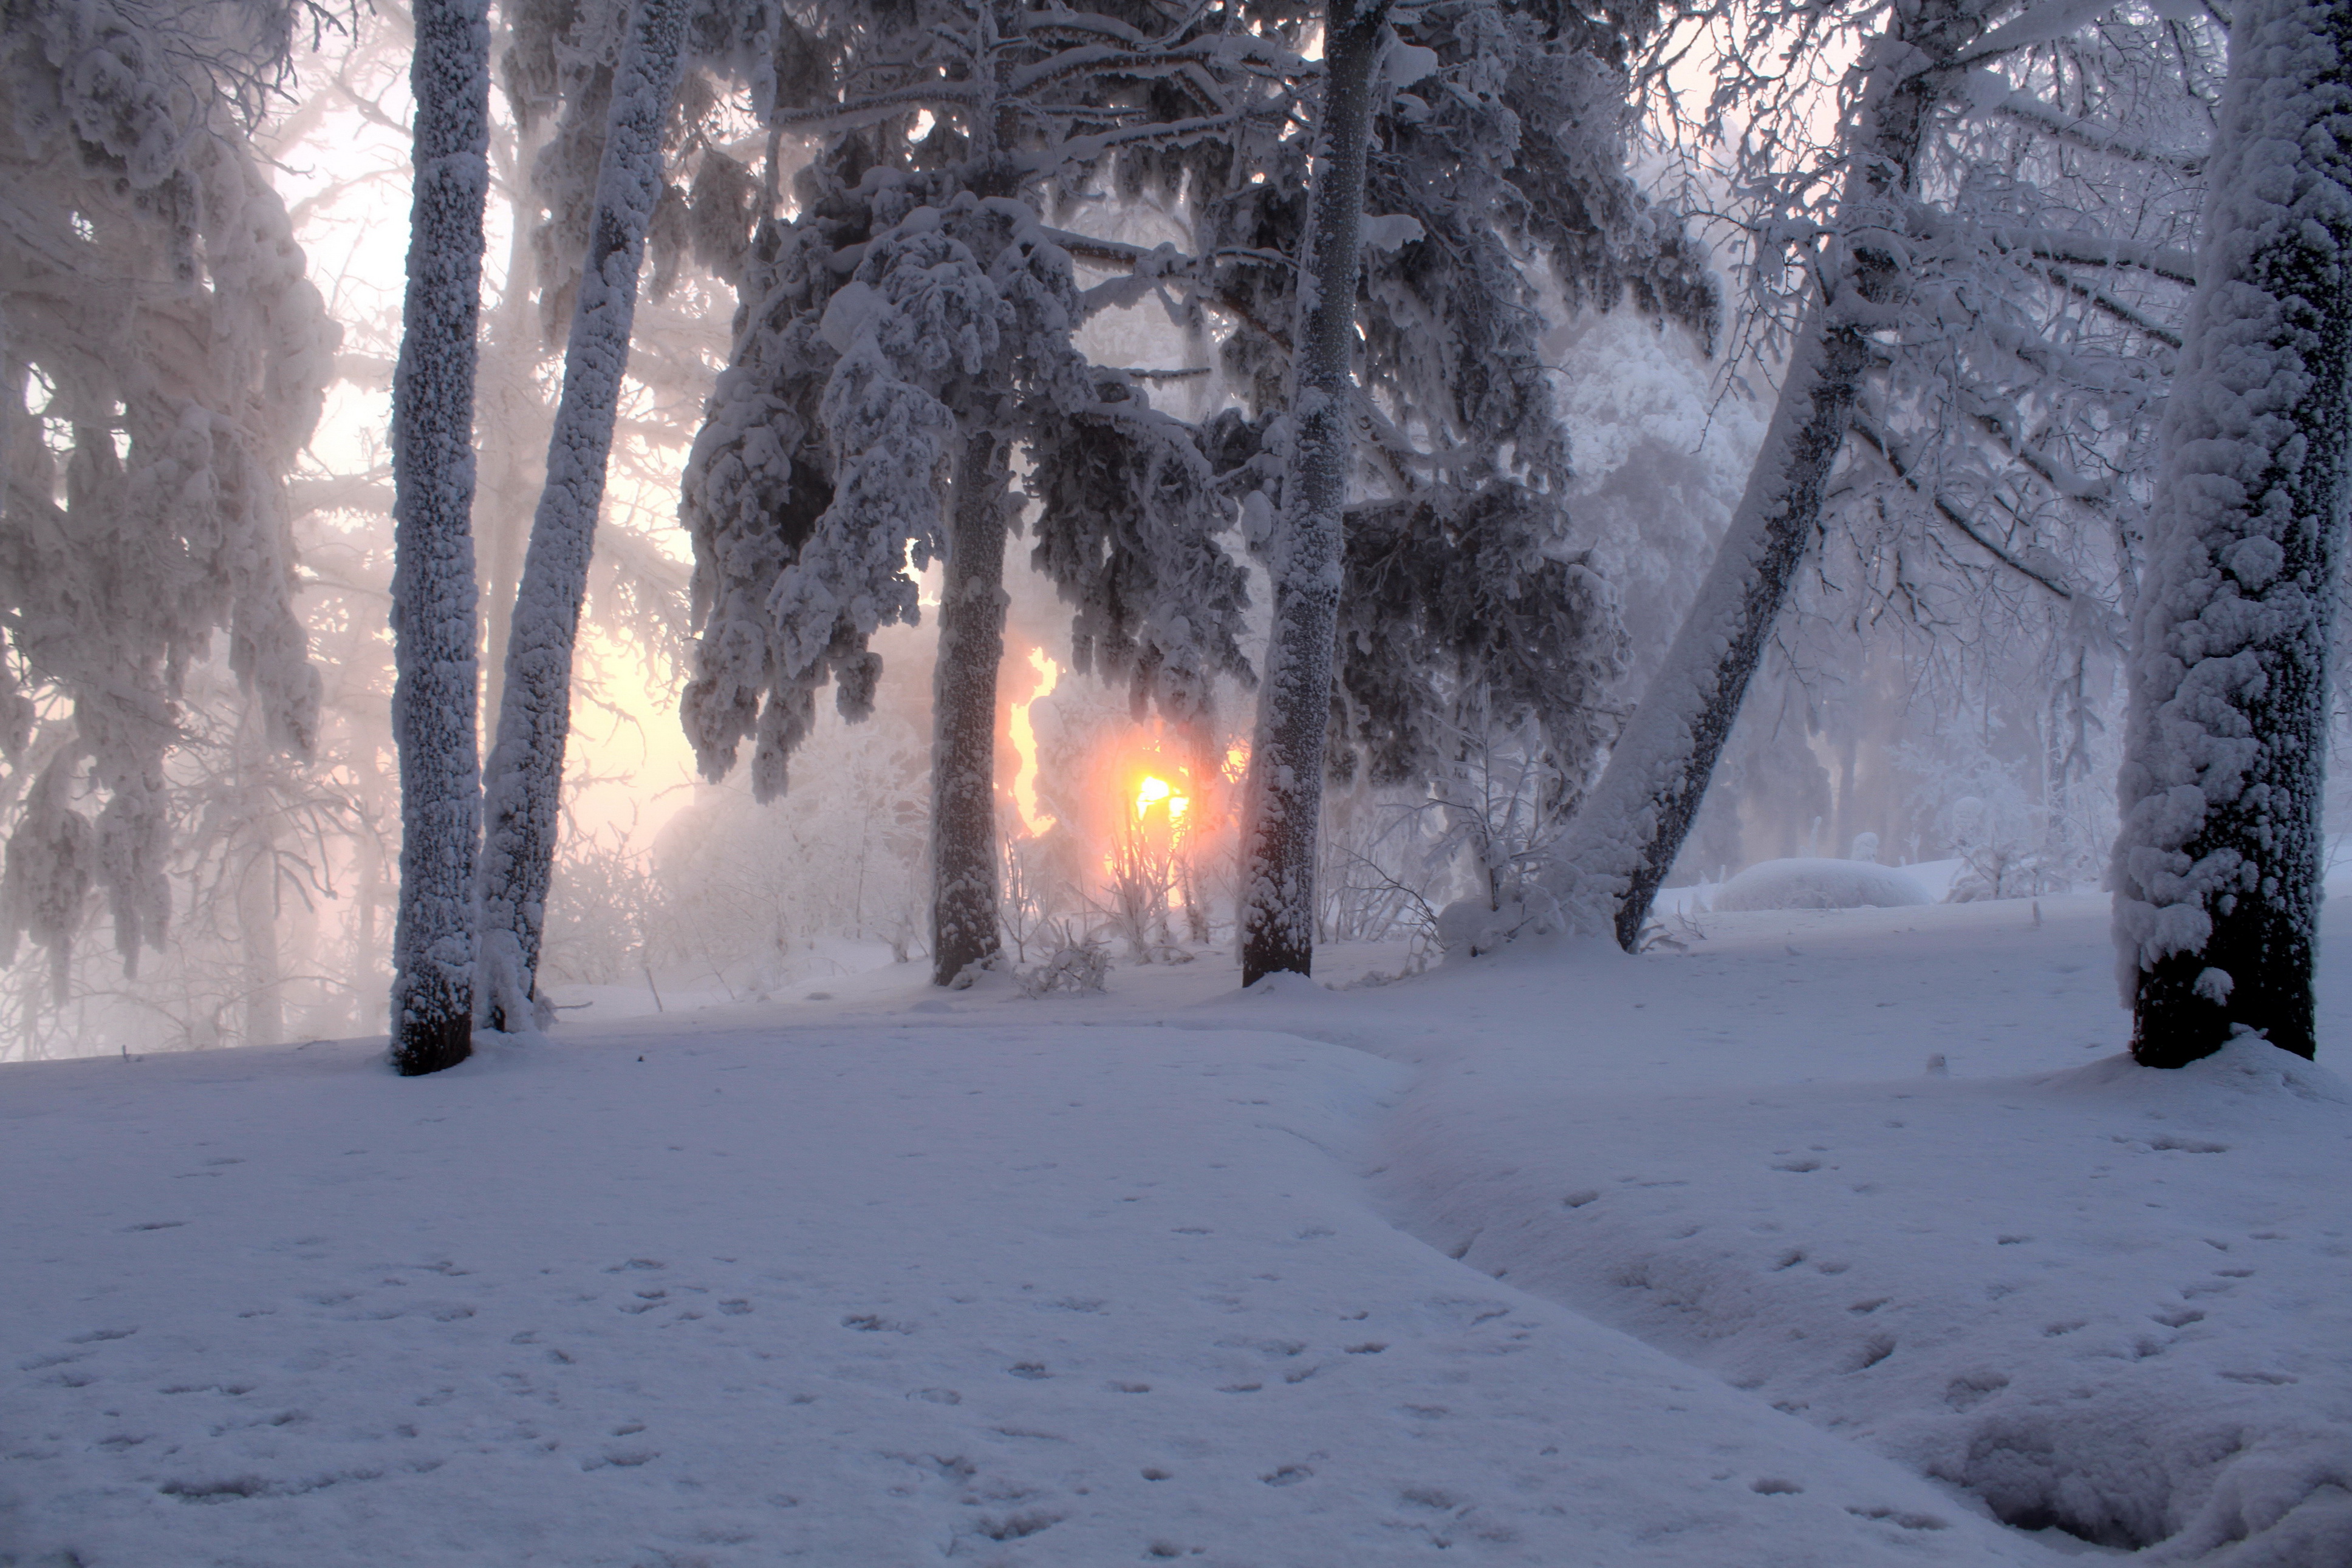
1700, 1259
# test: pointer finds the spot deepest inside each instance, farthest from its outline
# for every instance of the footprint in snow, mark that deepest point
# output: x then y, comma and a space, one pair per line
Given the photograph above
1972, 1389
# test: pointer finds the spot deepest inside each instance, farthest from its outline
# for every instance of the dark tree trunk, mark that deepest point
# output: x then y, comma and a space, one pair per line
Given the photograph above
1808, 429
964, 924
2217, 866
432, 593
1285, 799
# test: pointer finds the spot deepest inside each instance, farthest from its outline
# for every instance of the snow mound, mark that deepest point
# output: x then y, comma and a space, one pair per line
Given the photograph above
2247, 1065
1820, 885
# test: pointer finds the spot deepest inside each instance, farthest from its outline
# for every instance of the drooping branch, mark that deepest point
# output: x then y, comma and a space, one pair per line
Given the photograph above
1868, 431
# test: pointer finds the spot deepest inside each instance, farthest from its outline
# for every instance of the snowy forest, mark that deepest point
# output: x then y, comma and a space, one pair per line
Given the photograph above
1642, 453
628, 528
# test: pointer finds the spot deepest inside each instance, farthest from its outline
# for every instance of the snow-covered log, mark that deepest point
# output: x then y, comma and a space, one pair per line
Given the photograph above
1285, 793
2217, 868
524, 780
433, 593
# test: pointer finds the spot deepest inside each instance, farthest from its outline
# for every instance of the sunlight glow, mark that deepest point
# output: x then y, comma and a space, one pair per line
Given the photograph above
1153, 791
1024, 745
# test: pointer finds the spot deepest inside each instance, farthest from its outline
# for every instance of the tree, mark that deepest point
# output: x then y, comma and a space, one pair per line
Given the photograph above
2217, 870
898, 338
1498, 178
433, 593
1919, 246
1508, 146
524, 780
162, 363
1285, 797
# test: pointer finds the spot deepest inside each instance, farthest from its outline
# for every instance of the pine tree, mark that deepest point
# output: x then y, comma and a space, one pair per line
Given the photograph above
899, 340
2217, 870
1285, 799
1500, 172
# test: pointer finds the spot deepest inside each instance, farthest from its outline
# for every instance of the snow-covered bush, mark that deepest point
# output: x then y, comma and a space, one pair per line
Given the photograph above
1819, 884
1079, 965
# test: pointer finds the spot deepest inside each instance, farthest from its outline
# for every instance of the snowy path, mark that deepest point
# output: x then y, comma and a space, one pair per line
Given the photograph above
900, 1281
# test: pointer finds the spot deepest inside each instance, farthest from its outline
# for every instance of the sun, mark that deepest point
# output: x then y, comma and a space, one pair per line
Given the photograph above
1155, 791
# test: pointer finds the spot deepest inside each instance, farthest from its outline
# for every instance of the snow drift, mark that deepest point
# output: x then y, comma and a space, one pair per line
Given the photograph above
1820, 885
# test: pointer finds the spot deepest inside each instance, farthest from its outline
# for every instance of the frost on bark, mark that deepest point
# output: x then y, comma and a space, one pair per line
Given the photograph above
1284, 796
1610, 865
524, 780
963, 715
2217, 866
433, 594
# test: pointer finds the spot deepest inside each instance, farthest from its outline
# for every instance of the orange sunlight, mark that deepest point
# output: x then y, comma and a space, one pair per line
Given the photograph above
1024, 745
1153, 791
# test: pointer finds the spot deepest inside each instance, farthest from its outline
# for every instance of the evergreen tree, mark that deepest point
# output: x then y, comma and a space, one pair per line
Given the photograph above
1285, 799
898, 338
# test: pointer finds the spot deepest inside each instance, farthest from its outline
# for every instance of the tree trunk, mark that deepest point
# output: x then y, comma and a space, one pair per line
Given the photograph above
1609, 866
432, 702
524, 781
964, 925
2217, 866
1285, 790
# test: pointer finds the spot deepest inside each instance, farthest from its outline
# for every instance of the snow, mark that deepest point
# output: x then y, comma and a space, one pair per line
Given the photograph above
1681, 1260
1819, 884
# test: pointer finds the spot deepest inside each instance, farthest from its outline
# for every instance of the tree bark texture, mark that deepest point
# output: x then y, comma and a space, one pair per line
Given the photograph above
432, 593
2217, 870
965, 916
1609, 866
1285, 799
524, 781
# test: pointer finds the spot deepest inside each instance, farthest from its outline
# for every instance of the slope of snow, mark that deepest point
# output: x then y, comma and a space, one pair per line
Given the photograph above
897, 1277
